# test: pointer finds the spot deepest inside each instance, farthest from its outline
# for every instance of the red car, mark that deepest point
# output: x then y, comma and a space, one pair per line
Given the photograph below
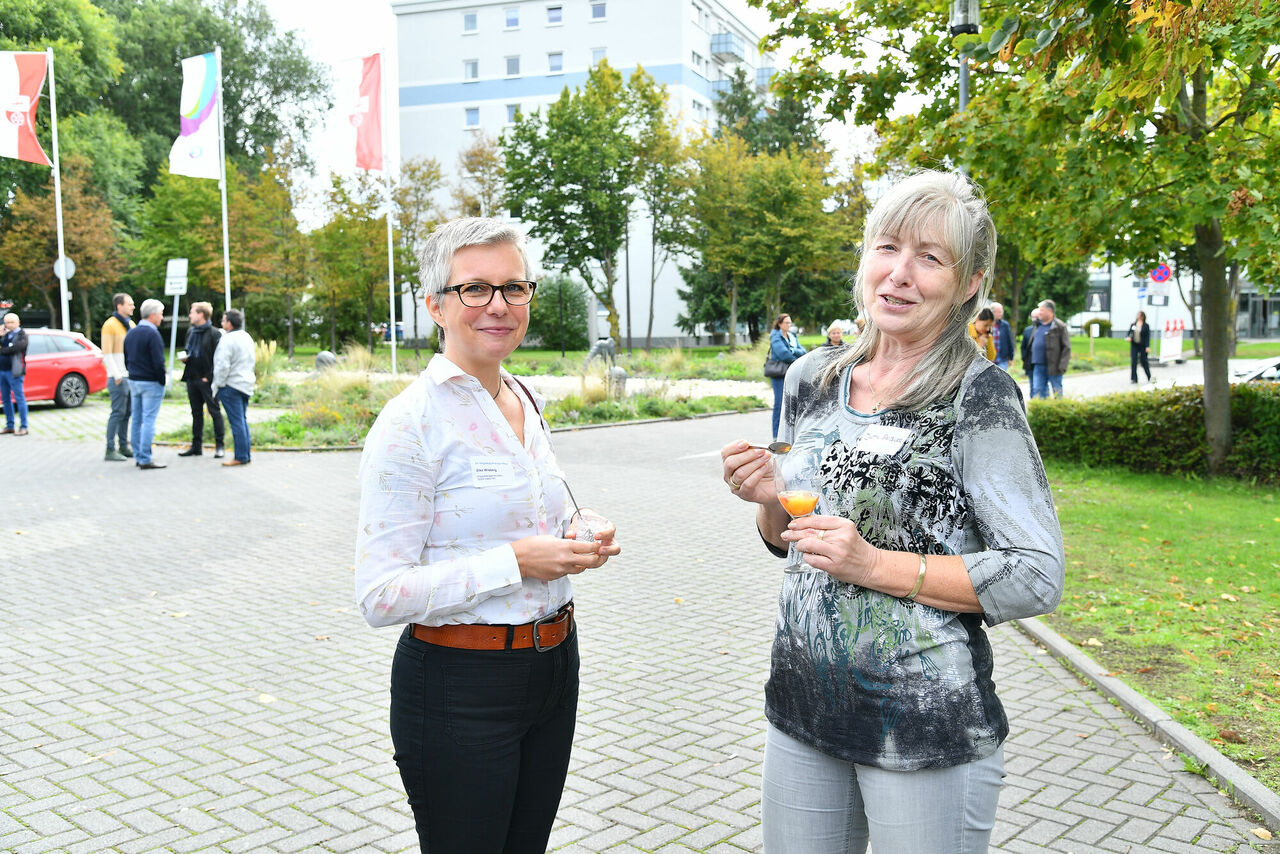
64, 367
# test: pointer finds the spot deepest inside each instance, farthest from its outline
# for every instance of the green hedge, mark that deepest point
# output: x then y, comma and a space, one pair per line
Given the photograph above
1162, 431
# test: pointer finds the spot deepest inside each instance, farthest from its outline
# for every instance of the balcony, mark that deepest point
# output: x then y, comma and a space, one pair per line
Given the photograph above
728, 47
764, 76
721, 87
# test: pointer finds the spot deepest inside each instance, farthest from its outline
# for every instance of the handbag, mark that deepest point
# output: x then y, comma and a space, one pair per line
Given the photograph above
775, 368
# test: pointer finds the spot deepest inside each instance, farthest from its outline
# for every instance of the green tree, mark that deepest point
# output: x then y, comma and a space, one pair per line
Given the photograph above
115, 160
719, 215
28, 243
478, 188
768, 124
570, 175
558, 314
181, 219
270, 233
420, 180
273, 91
351, 253
1145, 125
86, 63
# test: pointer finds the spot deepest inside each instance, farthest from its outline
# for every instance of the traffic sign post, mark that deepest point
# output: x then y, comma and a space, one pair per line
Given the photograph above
175, 283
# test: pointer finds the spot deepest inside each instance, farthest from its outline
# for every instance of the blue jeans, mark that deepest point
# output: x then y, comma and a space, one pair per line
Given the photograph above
144, 398
482, 739
118, 422
1003, 364
814, 804
1055, 383
1040, 380
11, 388
236, 404
777, 403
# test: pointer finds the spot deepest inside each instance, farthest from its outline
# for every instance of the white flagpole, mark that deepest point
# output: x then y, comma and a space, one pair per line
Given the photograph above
386, 174
222, 185
64, 295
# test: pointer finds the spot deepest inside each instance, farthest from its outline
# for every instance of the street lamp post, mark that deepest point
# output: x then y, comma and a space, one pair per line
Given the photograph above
964, 19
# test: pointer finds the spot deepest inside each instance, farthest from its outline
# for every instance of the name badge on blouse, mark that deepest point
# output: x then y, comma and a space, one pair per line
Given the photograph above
492, 471
882, 439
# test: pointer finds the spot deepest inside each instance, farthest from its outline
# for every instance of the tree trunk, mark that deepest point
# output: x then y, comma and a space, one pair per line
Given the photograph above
610, 272
733, 315
333, 325
84, 308
653, 286
288, 302
1233, 307
1215, 312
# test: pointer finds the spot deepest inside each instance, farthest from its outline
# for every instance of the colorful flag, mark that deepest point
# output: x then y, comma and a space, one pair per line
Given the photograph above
195, 151
21, 82
367, 116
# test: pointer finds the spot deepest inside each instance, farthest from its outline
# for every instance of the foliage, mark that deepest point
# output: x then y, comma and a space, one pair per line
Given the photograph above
1103, 324
29, 240
273, 92
414, 197
478, 188
573, 410
115, 160
768, 125
266, 361
570, 173
351, 255
558, 314
1066, 284
1172, 587
1162, 431
1146, 125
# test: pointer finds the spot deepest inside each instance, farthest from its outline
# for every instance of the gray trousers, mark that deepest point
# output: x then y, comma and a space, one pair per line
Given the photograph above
118, 422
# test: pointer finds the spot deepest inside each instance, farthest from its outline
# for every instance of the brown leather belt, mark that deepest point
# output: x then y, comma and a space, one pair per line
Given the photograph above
542, 634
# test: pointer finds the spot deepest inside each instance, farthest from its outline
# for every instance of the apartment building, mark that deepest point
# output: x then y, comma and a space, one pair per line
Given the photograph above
468, 68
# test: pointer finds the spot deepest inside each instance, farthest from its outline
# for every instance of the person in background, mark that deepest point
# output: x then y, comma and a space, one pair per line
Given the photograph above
467, 537
234, 380
835, 336
935, 520
1028, 335
148, 376
980, 332
114, 329
197, 373
13, 372
1003, 335
1139, 339
1050, 352
785, 347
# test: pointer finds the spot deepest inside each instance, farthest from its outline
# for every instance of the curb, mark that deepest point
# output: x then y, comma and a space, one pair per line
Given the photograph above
1233, 780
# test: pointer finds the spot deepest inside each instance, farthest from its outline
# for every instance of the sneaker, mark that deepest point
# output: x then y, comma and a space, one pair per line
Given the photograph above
114, 456
219, 453
127, 452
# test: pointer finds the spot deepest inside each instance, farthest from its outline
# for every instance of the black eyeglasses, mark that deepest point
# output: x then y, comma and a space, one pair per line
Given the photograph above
480, 294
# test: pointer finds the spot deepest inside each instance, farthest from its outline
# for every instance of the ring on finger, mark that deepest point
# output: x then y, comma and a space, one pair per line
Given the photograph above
822, 533
733, 484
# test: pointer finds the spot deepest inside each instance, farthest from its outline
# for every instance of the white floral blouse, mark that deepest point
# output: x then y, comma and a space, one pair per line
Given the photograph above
445, 488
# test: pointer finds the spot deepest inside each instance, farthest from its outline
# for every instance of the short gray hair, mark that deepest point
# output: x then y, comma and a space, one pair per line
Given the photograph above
150, 307
436, 260
951, 208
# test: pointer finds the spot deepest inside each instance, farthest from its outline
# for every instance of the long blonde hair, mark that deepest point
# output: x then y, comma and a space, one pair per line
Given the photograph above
951, 210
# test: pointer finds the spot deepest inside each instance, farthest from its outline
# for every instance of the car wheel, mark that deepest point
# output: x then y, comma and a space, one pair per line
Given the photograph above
72, 390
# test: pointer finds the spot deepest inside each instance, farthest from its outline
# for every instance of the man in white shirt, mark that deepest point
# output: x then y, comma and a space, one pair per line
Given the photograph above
233, 381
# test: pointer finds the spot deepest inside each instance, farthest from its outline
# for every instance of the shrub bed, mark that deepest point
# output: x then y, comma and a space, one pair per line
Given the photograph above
1162, 431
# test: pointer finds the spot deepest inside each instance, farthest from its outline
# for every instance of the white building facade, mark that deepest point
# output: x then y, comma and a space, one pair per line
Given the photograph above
468, 68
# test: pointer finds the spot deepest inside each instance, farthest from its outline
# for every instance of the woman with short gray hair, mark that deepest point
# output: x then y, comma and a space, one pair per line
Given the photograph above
934, 517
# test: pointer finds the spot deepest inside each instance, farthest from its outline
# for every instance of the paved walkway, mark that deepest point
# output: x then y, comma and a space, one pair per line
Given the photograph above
181, 676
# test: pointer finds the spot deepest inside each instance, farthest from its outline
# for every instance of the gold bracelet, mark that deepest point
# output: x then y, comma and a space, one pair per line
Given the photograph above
911, 597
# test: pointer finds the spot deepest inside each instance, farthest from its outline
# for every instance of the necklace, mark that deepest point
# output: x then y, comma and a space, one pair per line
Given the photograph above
876, 406
501, 386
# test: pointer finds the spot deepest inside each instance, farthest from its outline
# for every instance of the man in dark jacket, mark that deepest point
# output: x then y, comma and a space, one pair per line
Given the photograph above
202, 340
144, 360
1050, 352
1004, 337
13, 373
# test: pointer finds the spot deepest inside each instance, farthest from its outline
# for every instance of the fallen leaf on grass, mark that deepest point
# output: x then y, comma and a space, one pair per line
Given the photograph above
1231, 736
1091, 642
1229, 597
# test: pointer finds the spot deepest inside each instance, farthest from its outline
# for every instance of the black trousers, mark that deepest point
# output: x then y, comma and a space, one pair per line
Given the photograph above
482, 739
200, 395
1136, 355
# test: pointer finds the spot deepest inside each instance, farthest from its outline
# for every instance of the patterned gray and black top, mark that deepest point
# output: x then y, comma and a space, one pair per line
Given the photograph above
877, 680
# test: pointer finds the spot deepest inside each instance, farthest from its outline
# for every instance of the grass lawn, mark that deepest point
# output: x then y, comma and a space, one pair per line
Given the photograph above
1173, 585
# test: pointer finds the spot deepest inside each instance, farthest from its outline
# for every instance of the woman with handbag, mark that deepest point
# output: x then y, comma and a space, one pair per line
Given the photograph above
784, 348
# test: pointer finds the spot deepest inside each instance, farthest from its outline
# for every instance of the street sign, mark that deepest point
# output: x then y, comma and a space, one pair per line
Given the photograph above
175, 277
66, 262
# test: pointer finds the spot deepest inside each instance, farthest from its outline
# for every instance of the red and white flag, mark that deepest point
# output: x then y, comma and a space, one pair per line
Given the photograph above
22, 76
367, 116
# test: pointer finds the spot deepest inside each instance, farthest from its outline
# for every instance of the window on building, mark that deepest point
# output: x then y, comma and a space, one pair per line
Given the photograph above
470, 69
513, 113
698, 15
513, 17
555, 62
598, 10
597, 54
699, 64
555, 14
469, 22
513, 66
473, 117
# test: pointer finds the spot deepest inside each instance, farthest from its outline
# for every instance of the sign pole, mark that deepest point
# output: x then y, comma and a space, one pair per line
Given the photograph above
173, 334
175, 282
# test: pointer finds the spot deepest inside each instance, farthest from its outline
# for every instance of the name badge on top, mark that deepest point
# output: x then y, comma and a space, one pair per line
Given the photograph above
882, 439
492, 471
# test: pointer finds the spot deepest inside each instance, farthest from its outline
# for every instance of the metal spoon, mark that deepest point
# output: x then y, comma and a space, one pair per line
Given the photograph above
773, 447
